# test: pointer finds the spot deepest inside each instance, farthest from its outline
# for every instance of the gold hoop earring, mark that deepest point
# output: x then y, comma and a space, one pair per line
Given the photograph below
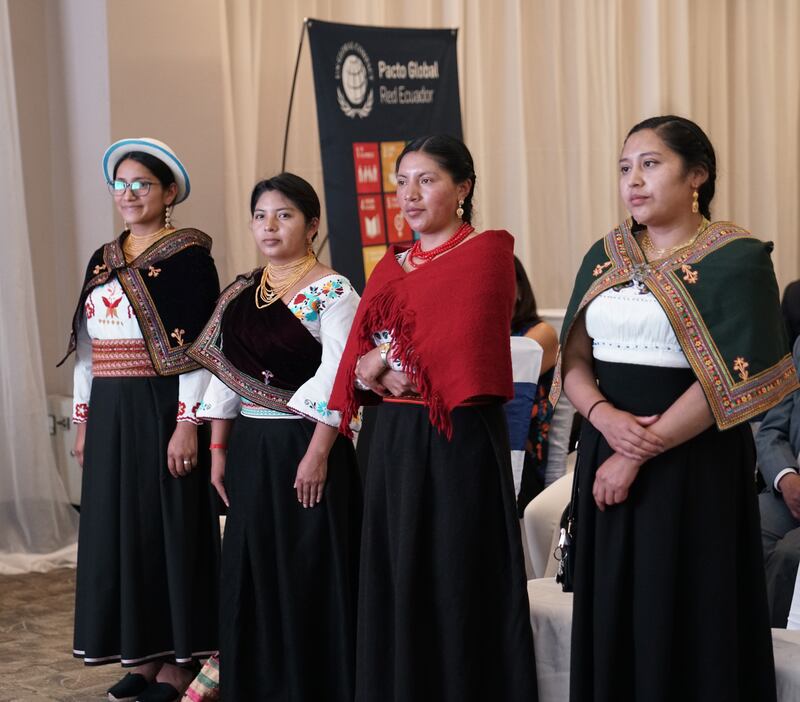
460, 208
168, 216
695, 204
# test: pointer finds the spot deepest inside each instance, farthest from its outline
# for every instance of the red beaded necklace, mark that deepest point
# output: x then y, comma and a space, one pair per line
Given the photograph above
416, 250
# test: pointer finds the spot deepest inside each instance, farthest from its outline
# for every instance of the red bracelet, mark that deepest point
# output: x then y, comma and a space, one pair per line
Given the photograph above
224, 447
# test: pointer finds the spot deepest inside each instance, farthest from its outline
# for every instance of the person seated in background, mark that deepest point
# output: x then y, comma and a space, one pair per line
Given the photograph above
527, 322
777, 448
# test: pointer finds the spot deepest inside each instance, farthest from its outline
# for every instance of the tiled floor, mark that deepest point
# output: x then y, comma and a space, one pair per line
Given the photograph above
36, 662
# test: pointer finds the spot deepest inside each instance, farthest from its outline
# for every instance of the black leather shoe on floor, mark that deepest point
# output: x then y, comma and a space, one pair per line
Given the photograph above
128, 689
159, 692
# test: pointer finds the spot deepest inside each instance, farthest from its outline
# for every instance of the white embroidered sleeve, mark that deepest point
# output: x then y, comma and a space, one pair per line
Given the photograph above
82, 376
219, 401
311, 398
191, 387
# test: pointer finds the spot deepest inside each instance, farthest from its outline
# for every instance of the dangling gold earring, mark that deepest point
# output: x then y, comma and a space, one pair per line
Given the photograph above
695, 204
168, 216
460, 208
127, 226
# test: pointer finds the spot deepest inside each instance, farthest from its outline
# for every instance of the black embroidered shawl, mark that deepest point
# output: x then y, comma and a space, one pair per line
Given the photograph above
264, 355
171, 286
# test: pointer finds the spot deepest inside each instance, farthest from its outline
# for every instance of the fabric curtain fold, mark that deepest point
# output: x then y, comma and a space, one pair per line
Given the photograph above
548, 91
38, 527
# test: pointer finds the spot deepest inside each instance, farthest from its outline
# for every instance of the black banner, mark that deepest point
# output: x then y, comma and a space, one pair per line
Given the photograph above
376, 89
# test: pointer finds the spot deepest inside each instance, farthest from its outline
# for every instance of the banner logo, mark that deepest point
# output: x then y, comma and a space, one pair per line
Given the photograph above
354, 73
376, 88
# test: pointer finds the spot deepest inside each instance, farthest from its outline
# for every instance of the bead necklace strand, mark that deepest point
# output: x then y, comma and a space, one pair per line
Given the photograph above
276, 280
425, 256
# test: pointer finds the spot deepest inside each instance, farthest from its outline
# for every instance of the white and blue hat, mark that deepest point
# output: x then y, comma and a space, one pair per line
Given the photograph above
154, 147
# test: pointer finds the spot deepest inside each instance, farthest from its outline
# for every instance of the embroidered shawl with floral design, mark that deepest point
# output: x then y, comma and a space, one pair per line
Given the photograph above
721, 298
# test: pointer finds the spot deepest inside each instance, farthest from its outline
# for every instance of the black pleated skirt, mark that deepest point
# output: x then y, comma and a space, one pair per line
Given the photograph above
443, 611
148, 546
289, 574
670, 602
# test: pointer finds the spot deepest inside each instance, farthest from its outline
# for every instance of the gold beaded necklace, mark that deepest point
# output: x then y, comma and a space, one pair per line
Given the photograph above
652, 253
276, 280
134, 245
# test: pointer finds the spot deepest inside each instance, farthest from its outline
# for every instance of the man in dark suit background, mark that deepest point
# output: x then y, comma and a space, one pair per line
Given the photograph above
778, 447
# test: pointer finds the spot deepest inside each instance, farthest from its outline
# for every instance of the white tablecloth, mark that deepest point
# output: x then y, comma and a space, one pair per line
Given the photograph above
551, 619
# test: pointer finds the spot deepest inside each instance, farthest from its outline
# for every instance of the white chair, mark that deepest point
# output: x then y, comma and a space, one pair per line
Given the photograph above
551, 621
526, 361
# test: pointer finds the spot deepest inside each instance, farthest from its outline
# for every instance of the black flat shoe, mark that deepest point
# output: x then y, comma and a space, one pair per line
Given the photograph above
159, 692
128, 689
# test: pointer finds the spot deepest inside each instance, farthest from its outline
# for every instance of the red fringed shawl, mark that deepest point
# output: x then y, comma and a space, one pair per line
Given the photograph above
450, 321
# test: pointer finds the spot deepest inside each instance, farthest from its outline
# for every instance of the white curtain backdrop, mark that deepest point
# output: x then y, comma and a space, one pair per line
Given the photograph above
549, 89
242, 76
37, 524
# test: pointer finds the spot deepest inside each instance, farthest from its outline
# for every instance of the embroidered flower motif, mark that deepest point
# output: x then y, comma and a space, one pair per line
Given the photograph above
740, 365
152, 272
89, 307
181, 408
177, 334
268, 375
82, 411
382, 337
311, 302
321, 407
600, 267
101, 268
690, 275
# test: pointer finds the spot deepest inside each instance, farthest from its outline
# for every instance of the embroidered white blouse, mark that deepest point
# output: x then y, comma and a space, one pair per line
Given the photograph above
108, 314
627, 326
326, 308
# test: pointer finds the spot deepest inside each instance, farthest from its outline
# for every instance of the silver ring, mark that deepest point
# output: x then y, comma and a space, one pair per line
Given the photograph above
186, 460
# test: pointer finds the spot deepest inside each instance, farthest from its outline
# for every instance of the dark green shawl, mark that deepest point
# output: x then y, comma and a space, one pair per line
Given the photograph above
721, 298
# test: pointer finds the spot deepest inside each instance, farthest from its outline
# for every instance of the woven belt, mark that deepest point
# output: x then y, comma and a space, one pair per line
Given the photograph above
121, 358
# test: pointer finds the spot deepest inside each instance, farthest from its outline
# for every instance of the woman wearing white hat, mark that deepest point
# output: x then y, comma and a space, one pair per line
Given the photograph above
149, 537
